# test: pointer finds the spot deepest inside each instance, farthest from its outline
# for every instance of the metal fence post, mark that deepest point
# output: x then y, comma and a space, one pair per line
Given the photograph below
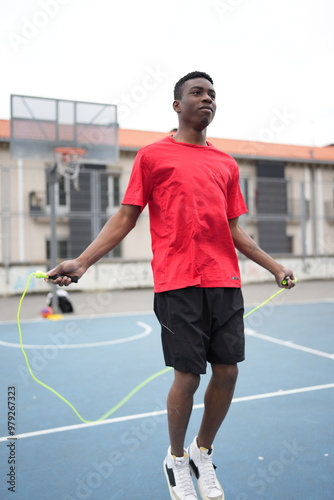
53, 229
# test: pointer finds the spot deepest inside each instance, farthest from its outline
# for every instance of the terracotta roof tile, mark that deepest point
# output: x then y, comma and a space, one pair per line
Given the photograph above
4, 129
138, 138
135, 139
272, 150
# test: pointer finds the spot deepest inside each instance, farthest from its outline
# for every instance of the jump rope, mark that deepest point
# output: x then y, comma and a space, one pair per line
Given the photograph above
40, 274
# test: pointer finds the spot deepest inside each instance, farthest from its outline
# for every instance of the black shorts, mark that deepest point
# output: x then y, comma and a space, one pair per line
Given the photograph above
200, 325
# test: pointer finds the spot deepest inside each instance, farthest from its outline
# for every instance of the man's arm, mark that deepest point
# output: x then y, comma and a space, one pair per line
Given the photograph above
247, 246
112, 233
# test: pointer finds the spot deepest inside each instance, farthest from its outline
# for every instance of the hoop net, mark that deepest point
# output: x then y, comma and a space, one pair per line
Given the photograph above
68, 161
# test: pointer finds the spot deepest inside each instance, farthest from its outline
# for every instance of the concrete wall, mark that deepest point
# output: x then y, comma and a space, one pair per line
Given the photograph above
114, 276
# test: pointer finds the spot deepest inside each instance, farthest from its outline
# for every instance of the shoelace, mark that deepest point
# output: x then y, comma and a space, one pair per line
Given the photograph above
207, 472
183, 477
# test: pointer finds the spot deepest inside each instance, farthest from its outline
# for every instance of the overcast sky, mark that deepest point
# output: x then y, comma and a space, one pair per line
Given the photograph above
272, 61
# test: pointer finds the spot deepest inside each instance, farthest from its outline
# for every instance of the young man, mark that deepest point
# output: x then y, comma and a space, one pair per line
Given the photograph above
192, 190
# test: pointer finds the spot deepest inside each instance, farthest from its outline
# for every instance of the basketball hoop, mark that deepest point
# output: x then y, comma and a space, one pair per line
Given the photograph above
68, 160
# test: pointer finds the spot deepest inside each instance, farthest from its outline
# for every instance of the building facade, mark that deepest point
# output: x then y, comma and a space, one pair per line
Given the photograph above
289, 192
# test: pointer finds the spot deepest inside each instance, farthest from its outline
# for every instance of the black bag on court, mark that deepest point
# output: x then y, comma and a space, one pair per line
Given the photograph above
64, 303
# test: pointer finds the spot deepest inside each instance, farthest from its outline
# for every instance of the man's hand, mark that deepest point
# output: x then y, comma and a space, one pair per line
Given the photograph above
285, 275
67, 269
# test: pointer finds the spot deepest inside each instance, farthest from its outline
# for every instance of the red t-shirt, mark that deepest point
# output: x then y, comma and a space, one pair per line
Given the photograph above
191, 191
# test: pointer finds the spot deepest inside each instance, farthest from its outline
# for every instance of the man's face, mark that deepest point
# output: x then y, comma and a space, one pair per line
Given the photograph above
198, 103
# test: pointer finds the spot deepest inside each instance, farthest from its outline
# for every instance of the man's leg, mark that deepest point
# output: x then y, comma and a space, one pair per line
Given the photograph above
179, 407
217, 400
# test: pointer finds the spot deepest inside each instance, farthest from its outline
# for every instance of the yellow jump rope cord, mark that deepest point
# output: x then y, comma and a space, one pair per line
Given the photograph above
39, 274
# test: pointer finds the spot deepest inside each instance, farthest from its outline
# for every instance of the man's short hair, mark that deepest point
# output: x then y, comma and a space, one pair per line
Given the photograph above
190, 76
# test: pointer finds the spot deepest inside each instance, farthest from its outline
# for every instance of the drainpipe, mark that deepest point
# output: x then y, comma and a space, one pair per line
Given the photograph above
20, 205
314, 210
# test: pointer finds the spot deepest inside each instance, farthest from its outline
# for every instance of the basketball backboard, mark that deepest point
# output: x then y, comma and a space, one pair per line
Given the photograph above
39, 125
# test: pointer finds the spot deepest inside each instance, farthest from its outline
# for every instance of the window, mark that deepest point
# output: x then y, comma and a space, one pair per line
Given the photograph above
61, 191
114, 190
62, 249
114, 194
62, 188
245, 186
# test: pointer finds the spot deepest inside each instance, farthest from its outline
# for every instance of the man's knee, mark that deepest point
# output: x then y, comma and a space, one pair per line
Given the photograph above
186, 381
225, 374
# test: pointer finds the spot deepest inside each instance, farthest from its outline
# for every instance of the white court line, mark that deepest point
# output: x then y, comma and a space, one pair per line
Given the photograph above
80, 317
161, 412
147, 331
288, 343
150, 312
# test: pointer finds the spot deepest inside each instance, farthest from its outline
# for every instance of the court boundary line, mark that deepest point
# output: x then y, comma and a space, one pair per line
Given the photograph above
161, 412
147, 331
89, 317
151, 312
288, 343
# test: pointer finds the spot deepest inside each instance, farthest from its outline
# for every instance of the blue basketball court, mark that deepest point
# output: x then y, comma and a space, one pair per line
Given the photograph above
276, 443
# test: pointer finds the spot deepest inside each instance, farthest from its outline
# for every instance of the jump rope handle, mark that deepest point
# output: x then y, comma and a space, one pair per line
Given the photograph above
285, 281
74, 279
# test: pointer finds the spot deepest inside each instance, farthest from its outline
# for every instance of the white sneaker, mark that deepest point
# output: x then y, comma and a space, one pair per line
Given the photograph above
200, 460
178, 477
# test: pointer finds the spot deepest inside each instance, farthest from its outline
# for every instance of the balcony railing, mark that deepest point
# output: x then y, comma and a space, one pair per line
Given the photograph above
40, 208
290, 211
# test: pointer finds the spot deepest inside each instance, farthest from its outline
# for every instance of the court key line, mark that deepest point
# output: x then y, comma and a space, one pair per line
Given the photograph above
288, 343
147, 331
161, 412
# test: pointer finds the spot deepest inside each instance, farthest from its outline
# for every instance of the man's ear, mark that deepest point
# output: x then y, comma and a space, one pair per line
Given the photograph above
176, 106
